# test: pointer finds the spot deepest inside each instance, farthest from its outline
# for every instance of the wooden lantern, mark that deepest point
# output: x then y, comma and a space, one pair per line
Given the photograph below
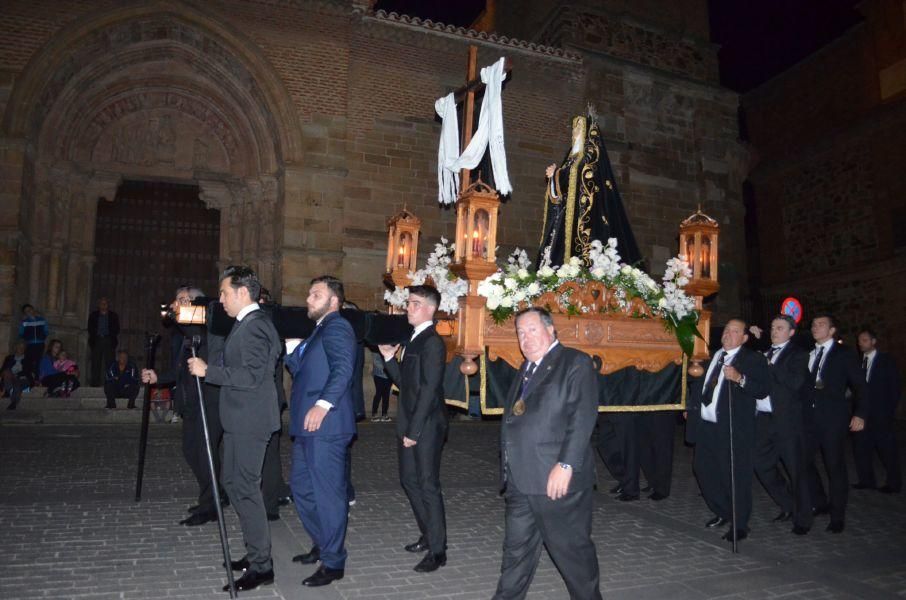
402, 247
476, 225
698, 245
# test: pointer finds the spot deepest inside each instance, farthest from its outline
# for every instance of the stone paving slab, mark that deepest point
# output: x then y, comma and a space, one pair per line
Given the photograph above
69, 528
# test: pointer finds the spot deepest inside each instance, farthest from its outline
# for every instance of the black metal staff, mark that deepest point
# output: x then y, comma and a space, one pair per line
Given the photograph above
151, 340
732, 471
224, 540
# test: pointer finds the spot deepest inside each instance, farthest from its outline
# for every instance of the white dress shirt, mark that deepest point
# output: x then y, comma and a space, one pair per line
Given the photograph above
709, 412
764, 404
811, 357
871, 361
420, 328
246, 310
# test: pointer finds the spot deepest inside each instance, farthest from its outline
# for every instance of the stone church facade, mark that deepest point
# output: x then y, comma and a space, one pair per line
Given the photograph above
307, 123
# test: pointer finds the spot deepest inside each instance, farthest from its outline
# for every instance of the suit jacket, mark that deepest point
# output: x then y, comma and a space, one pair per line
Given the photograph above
753, 365
113, 327
788, 374
561, 406
841, 369
883, 387
248, 396
322, 368
421, 382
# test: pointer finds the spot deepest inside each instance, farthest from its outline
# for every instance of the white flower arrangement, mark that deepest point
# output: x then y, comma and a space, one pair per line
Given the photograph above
437, 269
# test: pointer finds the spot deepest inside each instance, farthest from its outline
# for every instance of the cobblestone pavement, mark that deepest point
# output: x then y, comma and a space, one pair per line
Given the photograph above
69, 528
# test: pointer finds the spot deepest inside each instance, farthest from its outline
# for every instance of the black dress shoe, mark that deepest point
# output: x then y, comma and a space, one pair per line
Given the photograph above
783, 517
624, 497
252, 579
323, 576
741, 534
617, 489
193, 508
431, 562
240, 565
199, 518
657, 496
647, 489
862, 486
800, 529
310, 557
274, 516
716, 522
886, 489
821, 510
284, 500
418, 546
835, 527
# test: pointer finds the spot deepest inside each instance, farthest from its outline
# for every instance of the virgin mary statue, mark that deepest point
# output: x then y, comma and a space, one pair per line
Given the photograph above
582, 203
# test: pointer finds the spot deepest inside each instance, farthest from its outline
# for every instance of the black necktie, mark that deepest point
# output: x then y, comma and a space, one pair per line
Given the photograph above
865, 367
770, 353
817, 364
708, 390
526, 377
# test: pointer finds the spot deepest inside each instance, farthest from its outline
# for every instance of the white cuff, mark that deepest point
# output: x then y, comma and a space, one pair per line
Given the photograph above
324, 404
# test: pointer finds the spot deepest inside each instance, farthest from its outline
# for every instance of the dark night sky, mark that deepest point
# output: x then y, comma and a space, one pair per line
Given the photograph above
758, 38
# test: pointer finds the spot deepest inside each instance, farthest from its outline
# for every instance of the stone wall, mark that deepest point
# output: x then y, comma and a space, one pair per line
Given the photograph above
309, 122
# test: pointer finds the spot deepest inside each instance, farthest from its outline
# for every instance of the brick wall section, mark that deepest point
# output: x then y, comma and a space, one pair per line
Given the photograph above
829, 186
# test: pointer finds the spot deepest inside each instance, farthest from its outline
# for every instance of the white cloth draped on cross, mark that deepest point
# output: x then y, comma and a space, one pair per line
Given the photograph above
489, 133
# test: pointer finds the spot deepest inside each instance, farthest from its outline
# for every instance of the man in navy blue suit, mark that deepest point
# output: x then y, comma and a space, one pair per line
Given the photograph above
322, 423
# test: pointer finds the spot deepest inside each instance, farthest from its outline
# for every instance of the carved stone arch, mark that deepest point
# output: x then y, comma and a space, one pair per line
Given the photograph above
100, 34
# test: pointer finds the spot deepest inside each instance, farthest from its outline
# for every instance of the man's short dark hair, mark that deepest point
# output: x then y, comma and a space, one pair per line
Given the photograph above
334, 285
428, 292
869, 332
826, 315
126, 352
745, 324
242, 276
786, 319
24, 306
542, 313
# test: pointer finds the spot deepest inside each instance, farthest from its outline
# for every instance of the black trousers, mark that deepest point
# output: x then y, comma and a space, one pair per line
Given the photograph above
33, 355
711, 464
195, 453
114, 390
878, 436
655, 432
243, 458
420, 477
826, 428
102, 354
273, 486
619, 449
564, 527
382, 387
780, 467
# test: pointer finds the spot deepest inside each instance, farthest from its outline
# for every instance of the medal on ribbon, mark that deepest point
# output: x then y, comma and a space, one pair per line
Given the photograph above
519, 407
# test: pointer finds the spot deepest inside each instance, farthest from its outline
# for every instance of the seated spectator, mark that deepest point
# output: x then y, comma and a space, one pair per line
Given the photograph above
122, 381
66, 364
14, 377
59, 384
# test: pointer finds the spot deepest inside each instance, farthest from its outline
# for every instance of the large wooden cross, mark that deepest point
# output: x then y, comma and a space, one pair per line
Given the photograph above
472, 86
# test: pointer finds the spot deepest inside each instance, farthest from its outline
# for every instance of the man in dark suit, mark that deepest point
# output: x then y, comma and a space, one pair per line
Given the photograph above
249, 414
548, 468
186, 403
879, 435
778, 428
832, 368
421, 425
739, 375
322, 423
103, 329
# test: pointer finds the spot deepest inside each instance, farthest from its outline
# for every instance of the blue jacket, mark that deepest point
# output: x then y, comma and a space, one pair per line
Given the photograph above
323, 369
33, 330
127, 377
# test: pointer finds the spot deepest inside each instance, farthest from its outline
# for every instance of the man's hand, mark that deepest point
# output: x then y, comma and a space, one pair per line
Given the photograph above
387, 351
558, 482
756, 331
856, 424
408, 442
732, 374
550, 170
314, 417
149, 376
198, 367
